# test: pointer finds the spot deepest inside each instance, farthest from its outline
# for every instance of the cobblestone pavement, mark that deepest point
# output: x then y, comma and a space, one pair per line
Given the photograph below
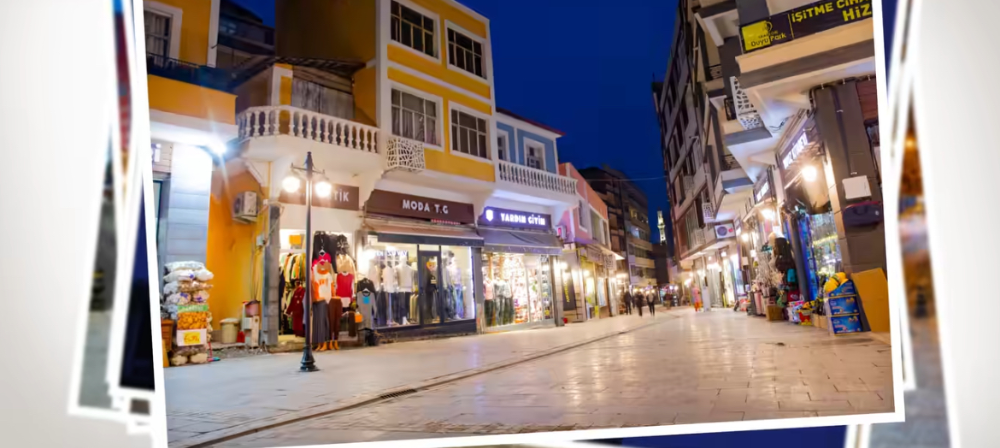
926, 423
691, 368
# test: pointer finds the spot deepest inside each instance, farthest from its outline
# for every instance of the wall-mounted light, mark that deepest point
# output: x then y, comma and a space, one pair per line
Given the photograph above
809, 173
768, 213
746, 237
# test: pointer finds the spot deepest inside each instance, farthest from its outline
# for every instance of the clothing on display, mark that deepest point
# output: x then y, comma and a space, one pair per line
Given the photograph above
517, 289
291, 280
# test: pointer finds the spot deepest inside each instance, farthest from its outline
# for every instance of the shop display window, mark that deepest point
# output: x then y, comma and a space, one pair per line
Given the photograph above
392, 271
518, 288
457, 285
825, 244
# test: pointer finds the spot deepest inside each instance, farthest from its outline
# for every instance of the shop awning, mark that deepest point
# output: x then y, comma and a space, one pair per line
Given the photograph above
521, 242
424, 234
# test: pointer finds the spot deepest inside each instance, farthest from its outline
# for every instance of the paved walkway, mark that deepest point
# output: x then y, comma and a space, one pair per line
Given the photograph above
688, 368
215, 400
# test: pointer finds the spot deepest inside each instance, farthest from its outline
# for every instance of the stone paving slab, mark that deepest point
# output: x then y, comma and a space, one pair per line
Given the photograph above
213, 401
692, 368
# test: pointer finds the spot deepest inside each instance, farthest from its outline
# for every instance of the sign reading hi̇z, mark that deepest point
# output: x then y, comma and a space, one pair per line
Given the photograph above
800, 22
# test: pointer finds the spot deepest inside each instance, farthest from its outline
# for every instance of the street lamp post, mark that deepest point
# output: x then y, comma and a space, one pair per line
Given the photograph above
323, 189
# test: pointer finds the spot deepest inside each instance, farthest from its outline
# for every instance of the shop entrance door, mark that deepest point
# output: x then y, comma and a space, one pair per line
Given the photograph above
429, 268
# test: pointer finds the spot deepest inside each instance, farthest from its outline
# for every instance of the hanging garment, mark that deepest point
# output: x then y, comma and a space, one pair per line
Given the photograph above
320, 322
336, 312
322, 287
431, 294
296, 312
404, 277
389, 279
345, 288
375, 276
414, 308
367, 307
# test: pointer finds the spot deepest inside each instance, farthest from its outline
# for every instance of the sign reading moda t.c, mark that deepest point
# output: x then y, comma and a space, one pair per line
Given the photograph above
397, 204
801, 22
514, 219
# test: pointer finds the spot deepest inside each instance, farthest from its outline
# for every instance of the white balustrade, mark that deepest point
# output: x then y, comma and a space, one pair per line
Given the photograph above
532, 177
404, 154
270, 121
746, 113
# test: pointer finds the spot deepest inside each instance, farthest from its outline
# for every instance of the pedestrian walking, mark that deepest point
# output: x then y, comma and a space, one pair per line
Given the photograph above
639, 299
627, 298
652, 304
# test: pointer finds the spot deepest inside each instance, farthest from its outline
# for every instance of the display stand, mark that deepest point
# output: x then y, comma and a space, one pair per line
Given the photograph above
844, 310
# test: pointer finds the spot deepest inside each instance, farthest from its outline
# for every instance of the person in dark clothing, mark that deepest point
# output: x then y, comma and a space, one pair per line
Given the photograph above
627, 298
652, 304
639, 301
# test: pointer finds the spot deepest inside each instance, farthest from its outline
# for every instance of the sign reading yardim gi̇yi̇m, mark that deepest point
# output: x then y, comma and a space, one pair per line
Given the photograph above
800, 22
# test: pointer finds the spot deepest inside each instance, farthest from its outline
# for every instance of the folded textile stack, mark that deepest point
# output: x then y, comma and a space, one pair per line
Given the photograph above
186, 303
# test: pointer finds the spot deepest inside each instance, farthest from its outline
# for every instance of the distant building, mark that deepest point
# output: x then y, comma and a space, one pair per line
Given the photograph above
628, 221
242, 35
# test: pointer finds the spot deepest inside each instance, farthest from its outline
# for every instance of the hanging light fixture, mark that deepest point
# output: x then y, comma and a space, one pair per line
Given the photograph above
809, 173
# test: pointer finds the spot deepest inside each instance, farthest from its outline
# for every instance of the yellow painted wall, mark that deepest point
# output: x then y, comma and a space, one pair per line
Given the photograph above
254, 92
365, 88
231, 252
326, 29
444, 161
195, 25
182, 98
439, 69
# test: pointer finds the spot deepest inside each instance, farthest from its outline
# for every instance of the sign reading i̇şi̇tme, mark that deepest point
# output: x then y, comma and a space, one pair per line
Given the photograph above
800, 22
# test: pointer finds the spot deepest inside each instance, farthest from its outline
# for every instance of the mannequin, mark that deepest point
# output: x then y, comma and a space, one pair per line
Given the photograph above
404, 288
385, 295
322, 289
455, 288
431, 290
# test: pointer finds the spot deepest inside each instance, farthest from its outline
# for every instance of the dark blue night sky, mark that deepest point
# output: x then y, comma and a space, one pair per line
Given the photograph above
584, 67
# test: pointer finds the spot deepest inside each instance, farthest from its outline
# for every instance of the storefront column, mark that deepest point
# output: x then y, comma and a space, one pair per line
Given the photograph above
558, 293
272, 295
848, 154
477, 284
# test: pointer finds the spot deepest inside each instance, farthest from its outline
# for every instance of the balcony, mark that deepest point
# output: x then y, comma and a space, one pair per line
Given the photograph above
405, 155
523, 176
268, 133
177, 70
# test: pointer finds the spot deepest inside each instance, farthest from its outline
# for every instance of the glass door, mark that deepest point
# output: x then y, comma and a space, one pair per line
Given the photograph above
429, 268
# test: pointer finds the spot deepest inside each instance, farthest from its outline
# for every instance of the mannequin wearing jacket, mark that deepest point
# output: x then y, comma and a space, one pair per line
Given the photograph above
322, 293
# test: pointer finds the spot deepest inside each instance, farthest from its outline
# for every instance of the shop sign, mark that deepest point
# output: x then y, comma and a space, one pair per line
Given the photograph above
594, 254
803, 21
800, 145
762, 190
409, 206
342, 197
500, 217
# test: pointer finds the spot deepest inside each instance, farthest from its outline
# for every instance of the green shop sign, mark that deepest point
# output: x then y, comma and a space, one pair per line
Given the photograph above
801, 22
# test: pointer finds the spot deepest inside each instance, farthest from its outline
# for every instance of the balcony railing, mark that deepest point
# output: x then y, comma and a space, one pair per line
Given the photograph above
404, 154
270, 121
177, 70
746, 113
715, 72
535, 178
729, 162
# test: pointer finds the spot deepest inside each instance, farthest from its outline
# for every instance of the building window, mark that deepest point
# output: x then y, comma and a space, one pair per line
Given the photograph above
157, 34
502, 147
412, 29
468, 134
583, 207
465, 53
535, 156
414, 118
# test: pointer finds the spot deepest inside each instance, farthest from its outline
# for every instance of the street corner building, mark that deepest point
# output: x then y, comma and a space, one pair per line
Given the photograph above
440, 214
770, 139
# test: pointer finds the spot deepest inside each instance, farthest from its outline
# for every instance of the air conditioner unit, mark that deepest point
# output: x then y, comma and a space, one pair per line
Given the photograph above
245, 207
725, 231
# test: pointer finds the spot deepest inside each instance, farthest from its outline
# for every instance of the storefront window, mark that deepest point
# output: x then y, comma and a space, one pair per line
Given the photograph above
825, 245
392, 271
518, 288
457, 288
